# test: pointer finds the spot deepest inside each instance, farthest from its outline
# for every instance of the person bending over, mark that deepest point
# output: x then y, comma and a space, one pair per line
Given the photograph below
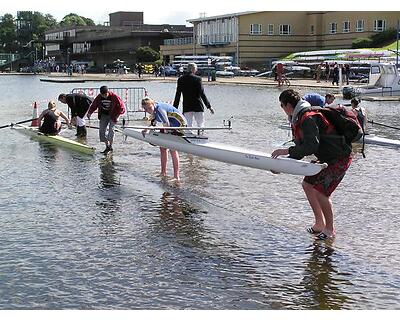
169, 116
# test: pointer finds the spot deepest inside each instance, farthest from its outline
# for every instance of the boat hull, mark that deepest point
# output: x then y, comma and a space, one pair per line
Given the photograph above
200, 146
56, 140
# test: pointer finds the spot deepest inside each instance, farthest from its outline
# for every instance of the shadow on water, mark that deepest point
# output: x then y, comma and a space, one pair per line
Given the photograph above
321, 279
48, 152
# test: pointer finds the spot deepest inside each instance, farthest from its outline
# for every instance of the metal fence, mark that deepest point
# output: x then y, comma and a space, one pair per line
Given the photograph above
131, 97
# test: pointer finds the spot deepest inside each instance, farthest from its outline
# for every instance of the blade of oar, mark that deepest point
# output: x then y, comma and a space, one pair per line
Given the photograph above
19, 122
382, 124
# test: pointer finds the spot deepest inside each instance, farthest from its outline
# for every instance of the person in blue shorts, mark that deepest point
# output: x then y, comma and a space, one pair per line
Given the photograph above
169, 116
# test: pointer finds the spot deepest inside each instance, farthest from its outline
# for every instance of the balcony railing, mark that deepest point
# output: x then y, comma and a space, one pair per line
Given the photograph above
215, 39
178, 41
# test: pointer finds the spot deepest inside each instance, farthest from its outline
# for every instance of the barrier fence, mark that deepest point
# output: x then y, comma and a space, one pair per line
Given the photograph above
131, 97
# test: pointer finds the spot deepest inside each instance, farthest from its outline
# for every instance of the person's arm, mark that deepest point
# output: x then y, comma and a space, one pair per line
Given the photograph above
309, 143
117, 109
164, 117
71, 102
41, 116
62, 115
95, 104
177, 94
204, 97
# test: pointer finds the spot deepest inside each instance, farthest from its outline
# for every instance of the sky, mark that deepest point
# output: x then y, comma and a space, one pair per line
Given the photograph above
178, 11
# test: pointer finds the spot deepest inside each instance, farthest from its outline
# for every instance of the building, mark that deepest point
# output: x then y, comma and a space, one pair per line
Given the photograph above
257, 38
100, 45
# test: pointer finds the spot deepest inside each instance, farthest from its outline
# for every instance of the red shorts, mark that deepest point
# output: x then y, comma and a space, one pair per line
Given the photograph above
327, 180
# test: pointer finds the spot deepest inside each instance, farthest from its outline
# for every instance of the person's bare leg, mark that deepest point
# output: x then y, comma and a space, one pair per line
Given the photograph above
327, 210
175, 163
313, 200
164, 159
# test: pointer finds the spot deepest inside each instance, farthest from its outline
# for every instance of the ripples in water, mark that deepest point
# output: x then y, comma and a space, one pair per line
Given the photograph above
101, 232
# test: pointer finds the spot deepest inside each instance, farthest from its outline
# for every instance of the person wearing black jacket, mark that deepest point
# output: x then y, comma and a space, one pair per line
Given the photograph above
194, 98
314, 135
79, 105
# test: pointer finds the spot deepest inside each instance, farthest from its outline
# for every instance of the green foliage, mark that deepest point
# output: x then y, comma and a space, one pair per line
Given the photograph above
73, 19
383, 38
146, 54
8, 34
376, 40
42, 23
362, 43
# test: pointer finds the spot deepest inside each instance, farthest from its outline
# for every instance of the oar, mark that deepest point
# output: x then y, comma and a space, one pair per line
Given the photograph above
178, 128
19, 122
383, 125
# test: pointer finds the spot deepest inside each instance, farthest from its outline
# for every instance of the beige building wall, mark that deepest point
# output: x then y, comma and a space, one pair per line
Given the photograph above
308, 31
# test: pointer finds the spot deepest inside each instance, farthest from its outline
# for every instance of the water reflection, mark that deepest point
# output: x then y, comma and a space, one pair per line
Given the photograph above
48, 152
194, 170
108, 176
110, 203
177, 216
320, 280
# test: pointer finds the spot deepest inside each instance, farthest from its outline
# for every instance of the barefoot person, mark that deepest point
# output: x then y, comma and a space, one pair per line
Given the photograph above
313, 134
51, 119
169, 116
110, 107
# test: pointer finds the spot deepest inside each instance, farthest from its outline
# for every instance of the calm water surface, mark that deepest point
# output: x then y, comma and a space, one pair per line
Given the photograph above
82, 232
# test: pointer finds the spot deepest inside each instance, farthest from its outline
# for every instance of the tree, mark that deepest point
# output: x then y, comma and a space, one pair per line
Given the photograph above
8, 34
146, 54
42, 23
73, 19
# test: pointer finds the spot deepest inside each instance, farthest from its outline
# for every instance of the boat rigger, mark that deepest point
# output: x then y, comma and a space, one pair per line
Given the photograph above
56, 140
201, 146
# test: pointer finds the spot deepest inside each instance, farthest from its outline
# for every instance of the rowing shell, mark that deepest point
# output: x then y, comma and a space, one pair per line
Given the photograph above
369, 139
201, 146
57, 140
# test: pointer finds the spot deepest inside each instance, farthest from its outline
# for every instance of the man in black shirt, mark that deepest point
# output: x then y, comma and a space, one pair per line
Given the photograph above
79, 105
194, 98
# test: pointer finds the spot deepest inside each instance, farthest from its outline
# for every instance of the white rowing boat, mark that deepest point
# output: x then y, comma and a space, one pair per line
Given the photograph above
201, 146
56, 140
369, 139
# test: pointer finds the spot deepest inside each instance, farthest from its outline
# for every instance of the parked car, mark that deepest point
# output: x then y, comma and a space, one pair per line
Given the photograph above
94, 69
169, 71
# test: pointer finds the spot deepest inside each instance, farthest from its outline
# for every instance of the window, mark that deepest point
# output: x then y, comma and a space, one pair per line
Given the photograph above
379, 25
333, 27
346, 26
312, 31
285, 29
255, 29
360, 26
270, 29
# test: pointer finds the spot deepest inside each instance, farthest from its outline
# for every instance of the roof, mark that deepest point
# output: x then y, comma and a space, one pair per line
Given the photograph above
223, 16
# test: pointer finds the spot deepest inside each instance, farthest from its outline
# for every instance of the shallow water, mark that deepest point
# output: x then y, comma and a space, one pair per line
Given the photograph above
101, 232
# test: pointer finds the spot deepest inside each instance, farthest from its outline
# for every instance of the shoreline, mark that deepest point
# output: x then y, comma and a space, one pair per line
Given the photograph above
239, 80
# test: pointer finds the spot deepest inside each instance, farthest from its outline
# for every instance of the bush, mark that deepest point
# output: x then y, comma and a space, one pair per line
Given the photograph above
146, 54
383, 38
362, 43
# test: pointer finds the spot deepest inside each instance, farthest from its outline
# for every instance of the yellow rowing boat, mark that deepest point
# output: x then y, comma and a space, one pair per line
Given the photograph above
56, 140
